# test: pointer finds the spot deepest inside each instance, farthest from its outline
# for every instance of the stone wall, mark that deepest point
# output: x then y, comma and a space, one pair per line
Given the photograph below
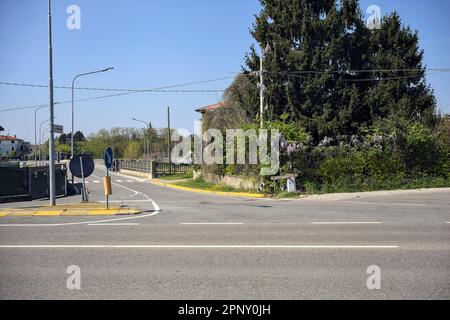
231, 181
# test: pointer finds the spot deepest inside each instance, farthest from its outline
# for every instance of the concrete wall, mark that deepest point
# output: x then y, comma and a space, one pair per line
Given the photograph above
136, 173
231, 181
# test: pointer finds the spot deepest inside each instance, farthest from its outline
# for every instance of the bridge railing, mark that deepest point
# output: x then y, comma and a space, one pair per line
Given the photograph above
152, 167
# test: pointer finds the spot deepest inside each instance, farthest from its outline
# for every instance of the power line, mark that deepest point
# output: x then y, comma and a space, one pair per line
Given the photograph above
359, 71
162, 89
166, 89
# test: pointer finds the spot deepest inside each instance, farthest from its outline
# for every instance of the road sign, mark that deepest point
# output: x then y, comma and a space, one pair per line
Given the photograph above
88, 165
108, 156
58, 128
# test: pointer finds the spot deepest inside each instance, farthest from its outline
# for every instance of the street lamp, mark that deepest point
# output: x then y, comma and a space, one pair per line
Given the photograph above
146, 144
35, 134
73, 95
40, 135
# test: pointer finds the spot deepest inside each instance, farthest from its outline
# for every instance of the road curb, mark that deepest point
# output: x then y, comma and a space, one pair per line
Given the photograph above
68, 211
221, 193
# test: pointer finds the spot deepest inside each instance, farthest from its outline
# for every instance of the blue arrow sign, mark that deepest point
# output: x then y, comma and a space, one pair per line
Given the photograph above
108, 158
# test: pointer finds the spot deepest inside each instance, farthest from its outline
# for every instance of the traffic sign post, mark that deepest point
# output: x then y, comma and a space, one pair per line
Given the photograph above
82, 166
109, 158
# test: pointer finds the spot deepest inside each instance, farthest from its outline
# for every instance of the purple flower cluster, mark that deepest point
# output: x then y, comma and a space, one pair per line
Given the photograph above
289, 147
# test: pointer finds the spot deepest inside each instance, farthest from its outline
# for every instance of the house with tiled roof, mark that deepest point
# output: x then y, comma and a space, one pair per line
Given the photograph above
13, 147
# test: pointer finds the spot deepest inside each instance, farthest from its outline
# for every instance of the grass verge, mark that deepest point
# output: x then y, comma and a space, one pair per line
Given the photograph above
178, 176
200, 184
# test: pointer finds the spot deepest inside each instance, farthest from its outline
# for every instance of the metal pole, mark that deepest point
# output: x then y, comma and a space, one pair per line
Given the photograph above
145, 146
71, 135
35, 135
50, 87
168, 140
73, 102
148, 141
107, 196
261, 91
83, 193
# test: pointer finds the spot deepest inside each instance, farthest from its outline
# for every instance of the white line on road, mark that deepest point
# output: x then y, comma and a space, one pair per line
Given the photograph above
96, 181
119, 181
106, 246
155, 212
114, 224
126, 200
343, 222
212, 223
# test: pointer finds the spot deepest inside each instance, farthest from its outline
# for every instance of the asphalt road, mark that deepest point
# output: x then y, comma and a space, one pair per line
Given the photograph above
199, 246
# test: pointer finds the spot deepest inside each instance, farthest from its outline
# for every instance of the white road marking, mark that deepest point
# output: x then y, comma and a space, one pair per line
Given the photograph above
212, 223
96, 181
114, 224
108, 246
126, 200
119, 181
130, 181
350, 222
83, 222
396, 203
155, 212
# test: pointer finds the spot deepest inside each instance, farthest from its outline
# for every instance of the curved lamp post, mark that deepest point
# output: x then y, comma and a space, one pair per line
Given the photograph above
146, 145
73, 95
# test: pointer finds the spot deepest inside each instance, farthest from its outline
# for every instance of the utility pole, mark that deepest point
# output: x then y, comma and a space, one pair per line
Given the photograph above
262, 88
168, 141
51, 144
261, 92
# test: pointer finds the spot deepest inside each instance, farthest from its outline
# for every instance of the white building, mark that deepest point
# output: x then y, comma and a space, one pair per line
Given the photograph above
12, 147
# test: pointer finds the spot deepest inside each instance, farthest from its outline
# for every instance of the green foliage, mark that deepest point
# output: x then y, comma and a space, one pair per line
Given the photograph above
200, 184
329, 37
358, 167
133, 150
119, 139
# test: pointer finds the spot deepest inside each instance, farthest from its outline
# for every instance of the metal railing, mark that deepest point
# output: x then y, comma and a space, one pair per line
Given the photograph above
152, 167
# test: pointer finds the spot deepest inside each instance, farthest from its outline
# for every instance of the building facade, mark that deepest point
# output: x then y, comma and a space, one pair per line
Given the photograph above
12, 147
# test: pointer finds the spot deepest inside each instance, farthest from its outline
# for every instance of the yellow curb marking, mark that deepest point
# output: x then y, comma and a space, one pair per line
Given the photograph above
239, 194
47, 213
75, 210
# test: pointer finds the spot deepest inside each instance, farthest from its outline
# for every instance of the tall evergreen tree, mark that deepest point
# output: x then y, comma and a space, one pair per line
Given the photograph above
314, 45
406, 93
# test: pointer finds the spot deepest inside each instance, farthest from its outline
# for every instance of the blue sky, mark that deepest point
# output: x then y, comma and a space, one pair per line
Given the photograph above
155, 43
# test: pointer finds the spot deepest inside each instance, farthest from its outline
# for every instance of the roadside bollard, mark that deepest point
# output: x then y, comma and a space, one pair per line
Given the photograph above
108, 189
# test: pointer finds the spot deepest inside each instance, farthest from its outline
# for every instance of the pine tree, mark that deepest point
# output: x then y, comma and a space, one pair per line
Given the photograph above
406, 95
314, 45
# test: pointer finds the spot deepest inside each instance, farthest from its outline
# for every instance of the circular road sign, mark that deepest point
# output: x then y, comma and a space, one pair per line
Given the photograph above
108, 156
88, 166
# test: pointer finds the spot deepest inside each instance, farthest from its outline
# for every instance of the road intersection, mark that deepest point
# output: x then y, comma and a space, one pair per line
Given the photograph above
201, 246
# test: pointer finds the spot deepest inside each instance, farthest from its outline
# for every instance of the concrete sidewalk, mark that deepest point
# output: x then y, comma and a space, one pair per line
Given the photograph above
88, 209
